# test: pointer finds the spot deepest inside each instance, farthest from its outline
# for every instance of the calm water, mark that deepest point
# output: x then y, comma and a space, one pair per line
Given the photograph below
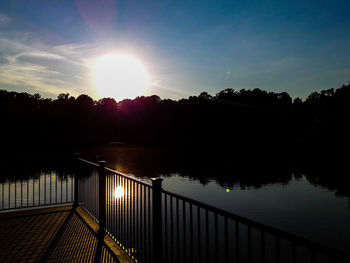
297, 207
313, 207
301, 204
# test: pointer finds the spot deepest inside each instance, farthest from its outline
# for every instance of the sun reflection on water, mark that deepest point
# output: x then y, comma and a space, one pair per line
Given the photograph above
118, 192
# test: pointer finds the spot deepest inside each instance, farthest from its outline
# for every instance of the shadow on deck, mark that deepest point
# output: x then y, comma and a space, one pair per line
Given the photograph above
56, 234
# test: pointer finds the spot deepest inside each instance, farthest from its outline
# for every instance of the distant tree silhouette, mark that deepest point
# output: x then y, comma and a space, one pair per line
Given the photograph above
250, 123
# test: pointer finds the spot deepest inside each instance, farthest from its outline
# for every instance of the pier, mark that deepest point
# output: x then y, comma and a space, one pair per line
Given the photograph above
98, 214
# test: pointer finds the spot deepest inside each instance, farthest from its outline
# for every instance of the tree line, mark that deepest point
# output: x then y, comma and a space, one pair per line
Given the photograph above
247, 123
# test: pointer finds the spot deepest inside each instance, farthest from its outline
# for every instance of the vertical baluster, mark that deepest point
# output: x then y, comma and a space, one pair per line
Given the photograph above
216, 236
166, 226
3, 196
142, 248
107, 203
33, 191
313, 255
145, 223
27, 192
76, 185
134, 215
149, 225
102, 198
61, 189
237, 241
172, 229
140, 223
114, 206
124, 214
277, 245
111, 198
44, 189
108, 196
15, 192
56, 180
21, 192
191, 233
177, 231
66, 188
117, 211
262, 243
71, 188
199, 234
96, 206
249, 244
120, 211
39, 189
157, 220
131, 207
50, 188
294, 252
207, 234
128, 216
226, 239
184, 229
138, 246
9, 199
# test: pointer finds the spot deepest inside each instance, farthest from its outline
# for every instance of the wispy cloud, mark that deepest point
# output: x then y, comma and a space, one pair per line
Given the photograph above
26, 62
4, 19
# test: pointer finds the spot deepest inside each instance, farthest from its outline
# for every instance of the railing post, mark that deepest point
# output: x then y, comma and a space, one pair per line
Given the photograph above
157, 219
102, 197
76, 182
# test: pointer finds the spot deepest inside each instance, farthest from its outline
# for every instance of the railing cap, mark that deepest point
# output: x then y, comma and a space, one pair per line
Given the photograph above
157, 182
102, 163
156, 179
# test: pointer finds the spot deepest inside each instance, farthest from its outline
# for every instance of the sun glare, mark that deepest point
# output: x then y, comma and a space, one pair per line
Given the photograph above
120, 76
118, 192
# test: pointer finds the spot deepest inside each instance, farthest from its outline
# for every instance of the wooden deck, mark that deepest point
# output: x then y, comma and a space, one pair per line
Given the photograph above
56, 234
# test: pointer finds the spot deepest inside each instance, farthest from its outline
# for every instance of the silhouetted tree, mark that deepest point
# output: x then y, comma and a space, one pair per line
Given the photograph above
249, 122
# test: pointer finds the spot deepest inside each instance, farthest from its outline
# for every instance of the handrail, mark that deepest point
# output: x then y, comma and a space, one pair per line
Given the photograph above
88, 162
117, 172
128, 177
266, 228
314, 247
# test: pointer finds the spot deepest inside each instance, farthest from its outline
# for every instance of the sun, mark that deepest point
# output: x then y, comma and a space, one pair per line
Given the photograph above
120, 76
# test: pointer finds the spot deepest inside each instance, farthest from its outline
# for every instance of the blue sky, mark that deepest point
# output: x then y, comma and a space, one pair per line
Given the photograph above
187, 46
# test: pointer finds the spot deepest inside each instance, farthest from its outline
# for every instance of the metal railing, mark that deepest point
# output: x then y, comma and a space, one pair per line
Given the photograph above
127, 215
41, 190
154, 225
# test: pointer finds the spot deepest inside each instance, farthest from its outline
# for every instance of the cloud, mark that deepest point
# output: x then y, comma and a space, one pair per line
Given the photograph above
29, 64
4, 19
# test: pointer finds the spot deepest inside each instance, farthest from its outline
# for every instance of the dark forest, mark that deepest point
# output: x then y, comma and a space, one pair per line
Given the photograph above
248, 122
231, 136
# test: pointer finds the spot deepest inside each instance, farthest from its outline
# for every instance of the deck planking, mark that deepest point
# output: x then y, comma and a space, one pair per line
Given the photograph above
55, 234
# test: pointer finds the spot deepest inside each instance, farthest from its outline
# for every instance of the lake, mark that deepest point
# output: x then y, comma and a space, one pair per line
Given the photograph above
311, 205
305, 204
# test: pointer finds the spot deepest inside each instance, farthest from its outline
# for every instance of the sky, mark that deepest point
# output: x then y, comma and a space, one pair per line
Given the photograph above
50, 46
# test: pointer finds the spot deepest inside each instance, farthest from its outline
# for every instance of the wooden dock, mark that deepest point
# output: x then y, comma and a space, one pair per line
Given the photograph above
55, 234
